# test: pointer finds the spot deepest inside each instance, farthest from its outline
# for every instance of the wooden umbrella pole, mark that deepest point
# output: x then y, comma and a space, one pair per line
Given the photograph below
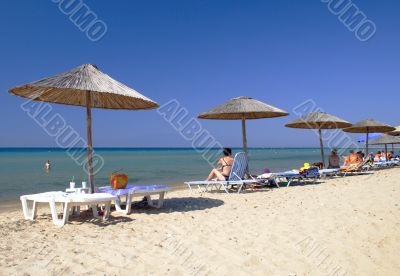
89, 138
244, 134
386, 153
245, 143
366, 144
321, 143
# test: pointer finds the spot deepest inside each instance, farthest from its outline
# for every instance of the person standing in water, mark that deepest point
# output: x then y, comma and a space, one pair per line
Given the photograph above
47, 166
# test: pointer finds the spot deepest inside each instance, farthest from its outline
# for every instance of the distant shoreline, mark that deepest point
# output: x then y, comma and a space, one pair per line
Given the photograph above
155, 148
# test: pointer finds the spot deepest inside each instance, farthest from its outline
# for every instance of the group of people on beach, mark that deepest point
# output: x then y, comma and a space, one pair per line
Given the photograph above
355, 158
223, 169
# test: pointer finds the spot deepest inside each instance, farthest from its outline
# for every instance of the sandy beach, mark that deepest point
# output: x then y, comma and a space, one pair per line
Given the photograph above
342, 226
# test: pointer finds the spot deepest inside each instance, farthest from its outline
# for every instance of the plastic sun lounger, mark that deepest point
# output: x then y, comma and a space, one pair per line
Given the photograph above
355, 169
329, 172
69, 201
290, 176
236, 176
384, 164
130, 191
295, 176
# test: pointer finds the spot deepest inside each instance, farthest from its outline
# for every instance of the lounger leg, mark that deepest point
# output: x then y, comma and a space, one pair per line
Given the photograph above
94, 211
225, 188
25, 209
128, 204
161, 200
117, 203
34, 210
149, 201
190, 189
66, 214
106, 211
54, 215
240, 188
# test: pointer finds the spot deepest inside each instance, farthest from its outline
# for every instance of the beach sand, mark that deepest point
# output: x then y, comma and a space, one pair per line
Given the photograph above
343, 226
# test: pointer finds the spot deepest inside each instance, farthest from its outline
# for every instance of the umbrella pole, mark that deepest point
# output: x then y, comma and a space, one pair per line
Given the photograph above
89, 138
244, 135
245, 143
386, 153
322, 147
366, 144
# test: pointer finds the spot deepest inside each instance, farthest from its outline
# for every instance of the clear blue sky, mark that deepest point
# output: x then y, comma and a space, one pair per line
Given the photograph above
202, 53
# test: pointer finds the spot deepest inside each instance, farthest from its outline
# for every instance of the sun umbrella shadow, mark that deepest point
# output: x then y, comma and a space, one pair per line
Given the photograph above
184, 204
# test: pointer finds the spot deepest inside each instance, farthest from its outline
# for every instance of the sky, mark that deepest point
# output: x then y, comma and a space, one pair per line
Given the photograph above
202, 53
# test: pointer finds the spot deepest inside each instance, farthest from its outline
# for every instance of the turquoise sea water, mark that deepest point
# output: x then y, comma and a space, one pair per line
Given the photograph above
22, 170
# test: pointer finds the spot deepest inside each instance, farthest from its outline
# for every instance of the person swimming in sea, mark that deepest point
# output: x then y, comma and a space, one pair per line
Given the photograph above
226, 162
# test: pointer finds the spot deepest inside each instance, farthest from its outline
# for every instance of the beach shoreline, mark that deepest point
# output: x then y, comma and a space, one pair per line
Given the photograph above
347, 224
10, 205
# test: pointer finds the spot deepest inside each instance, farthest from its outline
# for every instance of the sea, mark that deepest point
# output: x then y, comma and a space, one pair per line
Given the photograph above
22, 169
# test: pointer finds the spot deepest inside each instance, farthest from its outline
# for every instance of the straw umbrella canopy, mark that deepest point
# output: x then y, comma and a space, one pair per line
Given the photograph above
395, 132
319, 121
386, 140
243, 108
85, 86
369, 126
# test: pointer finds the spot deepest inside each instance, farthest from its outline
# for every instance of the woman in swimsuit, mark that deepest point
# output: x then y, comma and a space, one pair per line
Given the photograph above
226, 162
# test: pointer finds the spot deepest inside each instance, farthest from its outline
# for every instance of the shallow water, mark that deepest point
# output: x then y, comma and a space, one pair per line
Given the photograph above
21, 170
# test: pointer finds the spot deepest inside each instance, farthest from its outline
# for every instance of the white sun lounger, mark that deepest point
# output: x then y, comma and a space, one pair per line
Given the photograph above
69, 201
236, 176
329, 172
293, 176
384, 164
130, 191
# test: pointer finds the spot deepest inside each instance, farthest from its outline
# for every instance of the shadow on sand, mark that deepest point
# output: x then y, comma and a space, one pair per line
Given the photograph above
184, 204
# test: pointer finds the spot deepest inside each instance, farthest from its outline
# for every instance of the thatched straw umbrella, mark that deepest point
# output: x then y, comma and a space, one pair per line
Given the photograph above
85, 86
395, 132
319, 121
386, 140
243, 108
369, 126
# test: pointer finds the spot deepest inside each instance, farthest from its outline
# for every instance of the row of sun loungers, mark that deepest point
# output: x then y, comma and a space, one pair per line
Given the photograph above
240, 164
105, 196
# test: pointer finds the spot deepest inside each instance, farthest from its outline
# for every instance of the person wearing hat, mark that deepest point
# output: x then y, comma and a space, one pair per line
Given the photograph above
334, 160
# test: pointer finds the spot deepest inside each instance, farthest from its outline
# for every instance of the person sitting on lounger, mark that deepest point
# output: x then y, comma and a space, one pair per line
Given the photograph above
352, 159
225, 163
361, 155
390, 155
378, 156
334, 160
